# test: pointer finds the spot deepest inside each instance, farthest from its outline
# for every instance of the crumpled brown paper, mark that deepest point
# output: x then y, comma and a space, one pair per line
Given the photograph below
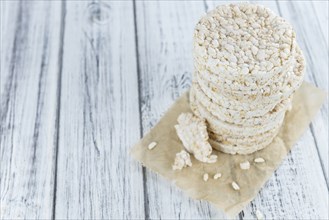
307, 101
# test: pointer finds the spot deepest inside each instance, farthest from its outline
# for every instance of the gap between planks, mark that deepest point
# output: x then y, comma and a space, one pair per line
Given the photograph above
146, 201
58, 101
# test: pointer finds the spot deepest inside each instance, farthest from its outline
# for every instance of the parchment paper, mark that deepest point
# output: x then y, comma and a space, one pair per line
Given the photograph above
307, 101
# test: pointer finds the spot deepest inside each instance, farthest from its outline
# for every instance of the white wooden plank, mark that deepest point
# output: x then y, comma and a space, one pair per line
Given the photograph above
298, 188
8, 17
165, 31
30, 42
99, 117
315, 50
320, 11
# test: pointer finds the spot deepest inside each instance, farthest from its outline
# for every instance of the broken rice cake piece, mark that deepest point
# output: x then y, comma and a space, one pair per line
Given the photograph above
192, 131
182, 160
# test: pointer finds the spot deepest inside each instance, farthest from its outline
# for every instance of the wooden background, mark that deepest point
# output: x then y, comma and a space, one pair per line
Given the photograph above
82, 81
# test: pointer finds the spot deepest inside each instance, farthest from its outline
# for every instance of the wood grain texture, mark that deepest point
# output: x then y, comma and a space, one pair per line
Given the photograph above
30, 41
320, 12
82, 81
99, 117
165, 31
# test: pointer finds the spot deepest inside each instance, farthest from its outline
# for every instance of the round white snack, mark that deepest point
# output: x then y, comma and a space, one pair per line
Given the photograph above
250, 88
239, 149
248, 85
281, 83
238, 102
230, 103
242, 117
235, 115
243, 140
242, 39
247, 67
192, 131
231, 147
222, 127
182, 160
235, 142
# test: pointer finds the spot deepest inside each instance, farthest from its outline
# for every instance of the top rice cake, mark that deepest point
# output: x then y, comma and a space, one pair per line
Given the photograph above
246, 45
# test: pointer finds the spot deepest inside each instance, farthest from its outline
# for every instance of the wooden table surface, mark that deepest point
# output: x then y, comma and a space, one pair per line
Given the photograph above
82, 81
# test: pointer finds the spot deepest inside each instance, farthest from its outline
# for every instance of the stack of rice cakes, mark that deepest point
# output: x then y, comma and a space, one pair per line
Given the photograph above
247, 67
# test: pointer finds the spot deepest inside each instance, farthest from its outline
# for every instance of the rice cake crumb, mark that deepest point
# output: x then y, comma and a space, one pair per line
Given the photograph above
245, 165
259, 215
182, 160
235, 186
259, 160
205, 177
217, 176
152, 145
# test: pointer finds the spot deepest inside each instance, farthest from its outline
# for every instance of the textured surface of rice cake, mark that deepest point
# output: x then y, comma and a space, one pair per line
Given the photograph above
247, 67
199, 99
244, 38
182, 160
192, 131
